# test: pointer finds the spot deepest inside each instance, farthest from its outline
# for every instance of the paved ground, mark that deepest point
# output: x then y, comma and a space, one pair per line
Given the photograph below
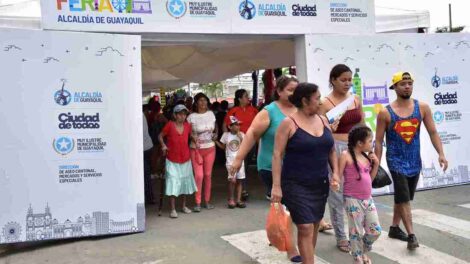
233, 236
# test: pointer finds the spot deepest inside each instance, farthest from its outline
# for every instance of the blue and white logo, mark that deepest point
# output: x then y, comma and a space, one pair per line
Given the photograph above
119, 5
63, 145
176, 8
63, 97
438, 117
436, 80
247, 9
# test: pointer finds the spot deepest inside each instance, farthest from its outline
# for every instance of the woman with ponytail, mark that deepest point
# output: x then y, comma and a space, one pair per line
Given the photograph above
359, 169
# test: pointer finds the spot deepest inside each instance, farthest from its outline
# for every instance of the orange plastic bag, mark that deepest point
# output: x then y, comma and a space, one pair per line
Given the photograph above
279, 227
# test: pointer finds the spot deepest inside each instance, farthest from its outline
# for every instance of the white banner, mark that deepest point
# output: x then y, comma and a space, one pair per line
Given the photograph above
211, 16
439, 64
70, 166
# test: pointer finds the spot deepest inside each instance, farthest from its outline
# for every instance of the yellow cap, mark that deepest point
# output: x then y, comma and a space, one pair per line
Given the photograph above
400, 76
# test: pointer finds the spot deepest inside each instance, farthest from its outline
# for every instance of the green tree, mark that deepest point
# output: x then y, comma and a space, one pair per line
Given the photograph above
213, 90
446, 29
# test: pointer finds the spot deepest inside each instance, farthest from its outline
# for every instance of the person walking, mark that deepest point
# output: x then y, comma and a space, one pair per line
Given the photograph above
263, 128
359, 170
401, 122
303, 148
204, 130
179, 176
340, 82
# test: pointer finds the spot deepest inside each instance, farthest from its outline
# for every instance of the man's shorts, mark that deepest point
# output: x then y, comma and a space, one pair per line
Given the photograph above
240, 174
404, 186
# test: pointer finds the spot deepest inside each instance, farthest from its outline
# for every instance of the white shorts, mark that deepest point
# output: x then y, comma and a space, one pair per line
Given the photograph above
241, 173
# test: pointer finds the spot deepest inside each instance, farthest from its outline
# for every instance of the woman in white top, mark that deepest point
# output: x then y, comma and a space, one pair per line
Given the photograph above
204, 129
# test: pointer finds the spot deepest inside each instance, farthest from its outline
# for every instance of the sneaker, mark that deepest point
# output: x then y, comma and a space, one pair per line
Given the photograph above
412, 242
173, 214
396, 233
197, 209
209, 206
186, 210
268, 197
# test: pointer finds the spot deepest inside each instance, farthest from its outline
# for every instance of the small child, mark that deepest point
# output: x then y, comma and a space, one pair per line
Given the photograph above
359, 170
178, 170
231, 141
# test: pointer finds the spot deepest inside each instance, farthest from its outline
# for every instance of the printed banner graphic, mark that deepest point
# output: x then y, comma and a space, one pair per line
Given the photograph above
67, 155
211, 16
438, 63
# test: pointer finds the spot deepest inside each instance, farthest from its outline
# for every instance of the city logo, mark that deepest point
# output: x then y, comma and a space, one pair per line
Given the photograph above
63, 145
447, 98
113, 6
272, 9
447, 116
247, 9
83, 121
437, 81
304, 10
176, 8
438, 117
62, 97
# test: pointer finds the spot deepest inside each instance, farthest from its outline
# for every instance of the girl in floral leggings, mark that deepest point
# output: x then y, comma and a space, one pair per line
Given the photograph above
358, 170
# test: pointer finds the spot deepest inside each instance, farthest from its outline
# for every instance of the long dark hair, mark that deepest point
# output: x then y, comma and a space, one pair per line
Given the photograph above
337, 70
303, 90
281, 83
358, 133
196, 99
239, 94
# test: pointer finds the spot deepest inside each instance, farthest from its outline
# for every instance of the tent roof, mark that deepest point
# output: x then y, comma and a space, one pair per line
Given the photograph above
172, 60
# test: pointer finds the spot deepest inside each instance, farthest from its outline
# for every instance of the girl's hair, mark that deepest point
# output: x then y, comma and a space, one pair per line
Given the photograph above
358, 133
196, 99
337, 70
281, 84
303, 90
239, 94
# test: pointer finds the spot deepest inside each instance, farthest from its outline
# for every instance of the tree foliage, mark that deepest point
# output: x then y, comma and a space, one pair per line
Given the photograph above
213, 90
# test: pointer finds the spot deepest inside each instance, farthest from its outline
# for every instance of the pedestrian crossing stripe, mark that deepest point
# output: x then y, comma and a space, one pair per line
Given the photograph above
465, 205
444, 223
255, 245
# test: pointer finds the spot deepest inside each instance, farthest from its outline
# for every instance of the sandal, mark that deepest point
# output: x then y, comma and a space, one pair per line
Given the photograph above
231, 204
296, 259
324, 227
241, 205
366, 259
343, 245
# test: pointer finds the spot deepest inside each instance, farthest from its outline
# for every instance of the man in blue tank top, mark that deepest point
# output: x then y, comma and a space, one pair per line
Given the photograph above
401, 123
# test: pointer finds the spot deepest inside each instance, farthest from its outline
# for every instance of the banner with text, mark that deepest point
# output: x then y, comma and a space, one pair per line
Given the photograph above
439, 64
211, 16
70, 167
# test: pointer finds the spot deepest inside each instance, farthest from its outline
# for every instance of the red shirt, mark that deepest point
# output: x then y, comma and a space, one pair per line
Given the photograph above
244, 115
178, 144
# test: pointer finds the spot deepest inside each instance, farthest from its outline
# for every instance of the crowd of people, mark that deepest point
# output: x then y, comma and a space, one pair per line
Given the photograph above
304, 160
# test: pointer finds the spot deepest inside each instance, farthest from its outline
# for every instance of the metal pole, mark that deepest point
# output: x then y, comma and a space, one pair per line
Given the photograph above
254, 98
450, 17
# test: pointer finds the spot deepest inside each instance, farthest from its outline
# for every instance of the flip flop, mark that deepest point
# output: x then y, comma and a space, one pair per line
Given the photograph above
325, 227
296, 259
343, 246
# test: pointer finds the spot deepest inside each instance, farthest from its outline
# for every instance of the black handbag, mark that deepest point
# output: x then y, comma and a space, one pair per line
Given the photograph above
382, 179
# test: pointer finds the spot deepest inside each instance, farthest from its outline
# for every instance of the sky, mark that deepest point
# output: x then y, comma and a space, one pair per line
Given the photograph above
438, 9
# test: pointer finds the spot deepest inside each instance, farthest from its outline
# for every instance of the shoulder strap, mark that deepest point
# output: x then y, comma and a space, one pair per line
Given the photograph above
323, 122
330, 101
296, 125
416, 110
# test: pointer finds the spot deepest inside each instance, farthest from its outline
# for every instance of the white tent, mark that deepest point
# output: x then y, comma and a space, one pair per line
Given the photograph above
172, 60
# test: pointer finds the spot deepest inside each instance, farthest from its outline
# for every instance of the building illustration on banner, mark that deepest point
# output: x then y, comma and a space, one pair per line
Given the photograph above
357, 84
375, 95
432, 177
42, 226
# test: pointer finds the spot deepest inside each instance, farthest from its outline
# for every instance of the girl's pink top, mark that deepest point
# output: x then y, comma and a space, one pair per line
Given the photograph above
359, 189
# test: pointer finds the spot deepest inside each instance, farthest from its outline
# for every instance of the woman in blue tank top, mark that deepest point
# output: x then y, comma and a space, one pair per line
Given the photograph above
300, 179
